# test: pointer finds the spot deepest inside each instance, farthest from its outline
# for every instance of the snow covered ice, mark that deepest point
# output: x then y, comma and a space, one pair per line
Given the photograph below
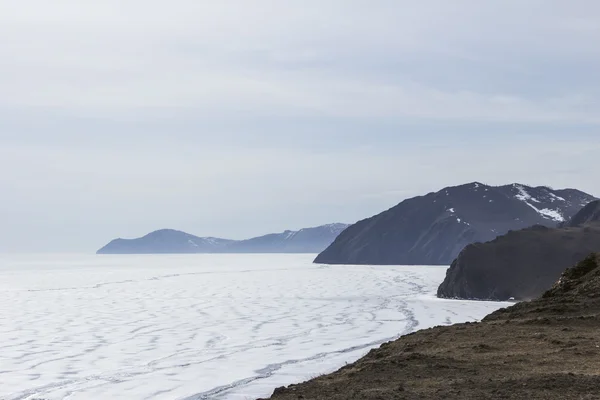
200, 326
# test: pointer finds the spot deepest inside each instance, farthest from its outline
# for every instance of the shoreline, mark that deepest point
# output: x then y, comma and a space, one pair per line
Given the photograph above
548, 348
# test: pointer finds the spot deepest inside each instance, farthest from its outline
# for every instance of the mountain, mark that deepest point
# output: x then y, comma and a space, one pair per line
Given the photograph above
545, 349
308, 240
522, 264
165, 241
434, 228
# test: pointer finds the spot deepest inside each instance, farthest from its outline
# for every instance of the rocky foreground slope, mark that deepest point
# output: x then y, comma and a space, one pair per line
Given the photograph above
522, 264
548, 348
434, 228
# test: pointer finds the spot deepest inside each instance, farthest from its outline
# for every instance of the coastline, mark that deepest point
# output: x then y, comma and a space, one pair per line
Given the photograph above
548, 348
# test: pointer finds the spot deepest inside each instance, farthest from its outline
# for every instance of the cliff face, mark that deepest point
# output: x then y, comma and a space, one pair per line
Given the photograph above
522, 264
544, 349
434, 228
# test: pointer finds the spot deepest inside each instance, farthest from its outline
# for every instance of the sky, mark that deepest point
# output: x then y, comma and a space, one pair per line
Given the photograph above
238, 118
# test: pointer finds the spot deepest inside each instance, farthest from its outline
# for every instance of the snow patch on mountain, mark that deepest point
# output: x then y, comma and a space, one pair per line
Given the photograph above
552, 214
547, 213
212, 241
525, 197
555, 197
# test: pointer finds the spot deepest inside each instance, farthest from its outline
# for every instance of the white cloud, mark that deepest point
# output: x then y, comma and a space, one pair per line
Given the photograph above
235, 118
268, 56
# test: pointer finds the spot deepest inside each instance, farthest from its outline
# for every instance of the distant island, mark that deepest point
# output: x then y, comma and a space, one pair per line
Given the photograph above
433, 229
169, 241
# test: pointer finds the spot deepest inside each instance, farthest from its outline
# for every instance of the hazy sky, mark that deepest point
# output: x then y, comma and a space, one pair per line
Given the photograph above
237, 118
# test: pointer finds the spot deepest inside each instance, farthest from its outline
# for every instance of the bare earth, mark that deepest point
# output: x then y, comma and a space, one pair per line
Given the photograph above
548, 348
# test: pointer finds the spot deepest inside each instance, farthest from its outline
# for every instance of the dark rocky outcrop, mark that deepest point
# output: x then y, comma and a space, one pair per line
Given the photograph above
545, 349
589, 214
308, 240
434, 228
522, 264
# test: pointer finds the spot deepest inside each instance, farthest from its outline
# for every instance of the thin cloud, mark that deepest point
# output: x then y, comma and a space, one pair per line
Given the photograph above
237, 118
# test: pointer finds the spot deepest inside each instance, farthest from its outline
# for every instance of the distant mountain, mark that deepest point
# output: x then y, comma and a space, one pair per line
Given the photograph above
434, 228
522, 264
165, 241
308, 240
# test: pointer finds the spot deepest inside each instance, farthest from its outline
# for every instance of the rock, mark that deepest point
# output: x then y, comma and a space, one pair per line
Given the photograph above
521, 264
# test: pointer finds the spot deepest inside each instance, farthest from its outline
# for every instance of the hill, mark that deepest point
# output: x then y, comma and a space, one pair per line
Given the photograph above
522, 264
169, 241
433, 229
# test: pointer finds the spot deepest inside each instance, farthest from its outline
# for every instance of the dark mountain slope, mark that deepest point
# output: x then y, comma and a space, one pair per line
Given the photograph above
546, 349
522, 264
589, 214
434, 228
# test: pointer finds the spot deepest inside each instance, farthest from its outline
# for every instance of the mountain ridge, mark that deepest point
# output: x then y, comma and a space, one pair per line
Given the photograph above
171, 241
432, 229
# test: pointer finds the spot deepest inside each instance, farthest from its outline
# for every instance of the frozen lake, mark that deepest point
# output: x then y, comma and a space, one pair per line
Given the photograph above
200, 326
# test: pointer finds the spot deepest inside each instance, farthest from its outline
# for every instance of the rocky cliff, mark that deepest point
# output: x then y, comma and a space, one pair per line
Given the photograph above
522, 264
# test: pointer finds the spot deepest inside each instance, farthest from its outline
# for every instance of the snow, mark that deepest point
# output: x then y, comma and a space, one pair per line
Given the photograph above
190, 241
212, 241
552, 214
524, 195
289, 234
451, 210
548, 213
555, 197
200, 326
458, 219
545, 212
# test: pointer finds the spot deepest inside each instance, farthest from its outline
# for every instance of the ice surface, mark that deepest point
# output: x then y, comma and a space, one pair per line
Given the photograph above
200, 326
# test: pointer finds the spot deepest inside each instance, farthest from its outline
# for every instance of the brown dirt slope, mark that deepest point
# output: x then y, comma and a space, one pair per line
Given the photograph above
548, 348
